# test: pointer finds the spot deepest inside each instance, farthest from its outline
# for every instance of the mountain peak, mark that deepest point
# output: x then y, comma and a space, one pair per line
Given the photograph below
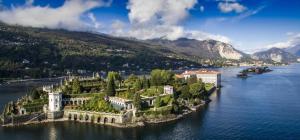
207, 49
275, 54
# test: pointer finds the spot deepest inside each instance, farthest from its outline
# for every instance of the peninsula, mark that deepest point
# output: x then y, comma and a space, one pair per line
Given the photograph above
114, 100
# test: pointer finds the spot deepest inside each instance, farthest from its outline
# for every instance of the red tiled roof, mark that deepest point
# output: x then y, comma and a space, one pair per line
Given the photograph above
202, 71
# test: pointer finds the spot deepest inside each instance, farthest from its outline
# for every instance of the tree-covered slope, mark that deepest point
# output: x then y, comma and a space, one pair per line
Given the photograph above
39, 52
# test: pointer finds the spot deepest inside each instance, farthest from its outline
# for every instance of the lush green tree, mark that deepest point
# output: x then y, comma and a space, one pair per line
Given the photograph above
195, 89
157, 102
117, 77
156, 79
184, 92
161, 77
167, 77
35, 94
146, 82
76, 87
137, 101
198, 90
130, 81
192, 79
111, 87
176, 94
175, 107
138, 84
67, 89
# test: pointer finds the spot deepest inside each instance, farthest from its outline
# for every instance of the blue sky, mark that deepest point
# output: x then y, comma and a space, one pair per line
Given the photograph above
249, 25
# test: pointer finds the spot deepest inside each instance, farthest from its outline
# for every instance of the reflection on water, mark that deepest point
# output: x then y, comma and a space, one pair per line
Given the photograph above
260, 107
52, 133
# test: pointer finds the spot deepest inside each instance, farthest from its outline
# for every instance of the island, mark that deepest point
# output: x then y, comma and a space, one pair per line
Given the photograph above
253, 70
116, 100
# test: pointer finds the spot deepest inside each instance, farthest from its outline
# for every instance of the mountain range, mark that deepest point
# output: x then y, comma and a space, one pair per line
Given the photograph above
276, 54
206, 49
294, 50
40, 52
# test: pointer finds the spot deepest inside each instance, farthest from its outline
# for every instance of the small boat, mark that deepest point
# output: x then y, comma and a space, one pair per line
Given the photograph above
242, 75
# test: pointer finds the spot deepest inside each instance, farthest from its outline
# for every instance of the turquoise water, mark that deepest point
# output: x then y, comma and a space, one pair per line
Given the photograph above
261, 107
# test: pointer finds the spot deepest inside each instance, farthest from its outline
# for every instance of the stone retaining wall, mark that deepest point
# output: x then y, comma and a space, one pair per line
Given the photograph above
20, 119
98, 117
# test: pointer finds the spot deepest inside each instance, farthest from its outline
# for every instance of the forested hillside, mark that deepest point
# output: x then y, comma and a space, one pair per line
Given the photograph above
34, 52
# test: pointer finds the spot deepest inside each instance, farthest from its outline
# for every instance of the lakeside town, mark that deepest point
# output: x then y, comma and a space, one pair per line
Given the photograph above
80, 72
114, 100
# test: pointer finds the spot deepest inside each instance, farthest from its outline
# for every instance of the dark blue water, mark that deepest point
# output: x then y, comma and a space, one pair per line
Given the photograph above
261, 107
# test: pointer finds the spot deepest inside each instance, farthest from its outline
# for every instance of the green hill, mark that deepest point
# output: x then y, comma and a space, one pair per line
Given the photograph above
35, 52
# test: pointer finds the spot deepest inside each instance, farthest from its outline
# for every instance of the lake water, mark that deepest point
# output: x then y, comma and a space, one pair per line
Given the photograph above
261, 107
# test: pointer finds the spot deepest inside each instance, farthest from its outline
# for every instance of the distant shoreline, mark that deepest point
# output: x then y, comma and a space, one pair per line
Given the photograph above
26, 80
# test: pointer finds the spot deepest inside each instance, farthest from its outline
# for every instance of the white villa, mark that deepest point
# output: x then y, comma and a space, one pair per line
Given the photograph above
126, 104
207, 76
168, 89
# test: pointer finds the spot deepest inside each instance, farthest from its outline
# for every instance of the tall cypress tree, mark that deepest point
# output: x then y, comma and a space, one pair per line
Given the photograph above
157, 102
137, 101
138, 84
145, 82
111, 87
76, 88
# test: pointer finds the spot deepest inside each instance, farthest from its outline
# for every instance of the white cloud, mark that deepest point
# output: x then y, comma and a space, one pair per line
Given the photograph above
157, 31
290, 33
165, 11
158, 18
227, 7
94, 21
161, 19
67, 16
147, 18
117, 28
291, 42
248, 13
199, 35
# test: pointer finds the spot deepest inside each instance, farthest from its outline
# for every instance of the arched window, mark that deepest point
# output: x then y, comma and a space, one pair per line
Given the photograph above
105, 120
75, 117
98, 120
86, 117
113, 120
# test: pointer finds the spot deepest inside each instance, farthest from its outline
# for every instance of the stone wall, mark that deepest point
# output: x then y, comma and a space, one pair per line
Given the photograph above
20, 119
98, 117
74, 101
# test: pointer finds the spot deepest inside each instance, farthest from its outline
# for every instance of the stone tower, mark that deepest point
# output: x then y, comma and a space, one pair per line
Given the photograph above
55, 101
54, 105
